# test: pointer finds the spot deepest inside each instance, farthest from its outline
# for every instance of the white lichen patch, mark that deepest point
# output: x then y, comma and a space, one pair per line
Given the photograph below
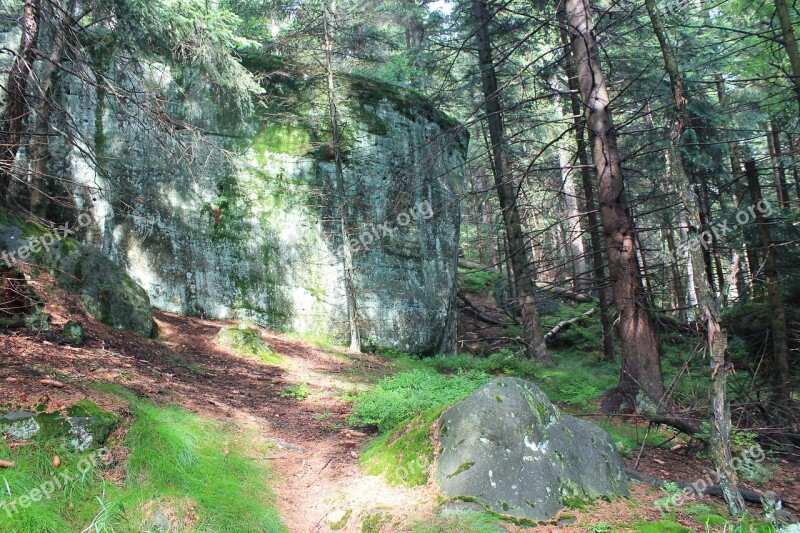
22, 429
540, 447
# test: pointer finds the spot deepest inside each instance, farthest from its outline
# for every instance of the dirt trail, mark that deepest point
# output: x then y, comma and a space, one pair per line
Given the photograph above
317, 462
318, 479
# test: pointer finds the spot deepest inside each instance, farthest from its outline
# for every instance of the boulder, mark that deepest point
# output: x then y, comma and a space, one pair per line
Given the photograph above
73, 332
107, 293
507, 447
82, 425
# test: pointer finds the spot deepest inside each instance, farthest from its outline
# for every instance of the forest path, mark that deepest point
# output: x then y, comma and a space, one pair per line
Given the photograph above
319, 482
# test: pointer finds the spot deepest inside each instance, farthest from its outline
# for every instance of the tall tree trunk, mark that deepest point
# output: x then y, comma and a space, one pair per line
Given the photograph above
39, 152
17, 106
789, 43
716, 341
478, 218
736, 175
641, 382
675, 276
349, 281
778, 171
780, 337
598, 264
580, 270
506, 188
794, 147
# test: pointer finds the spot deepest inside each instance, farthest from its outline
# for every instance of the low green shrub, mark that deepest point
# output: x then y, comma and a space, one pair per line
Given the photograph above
477, 281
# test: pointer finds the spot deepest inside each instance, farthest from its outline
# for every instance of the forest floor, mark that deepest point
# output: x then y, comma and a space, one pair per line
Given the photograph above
319, 482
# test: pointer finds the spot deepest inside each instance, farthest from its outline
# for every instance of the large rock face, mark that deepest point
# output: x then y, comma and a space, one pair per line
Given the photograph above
105, 290
509, 448
239, 218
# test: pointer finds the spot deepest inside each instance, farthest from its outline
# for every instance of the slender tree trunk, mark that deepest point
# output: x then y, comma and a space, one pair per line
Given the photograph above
789, 43
641, 382
17, 106
720, 446
598, 264
778, 172
675, 274
794, 146
349, 281
780, 337
478, 220
736, 174
507, 190
716, 341
574, 231
39, 149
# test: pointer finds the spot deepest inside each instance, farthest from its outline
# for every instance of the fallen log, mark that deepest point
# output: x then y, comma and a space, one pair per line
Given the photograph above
713, 490
565, 323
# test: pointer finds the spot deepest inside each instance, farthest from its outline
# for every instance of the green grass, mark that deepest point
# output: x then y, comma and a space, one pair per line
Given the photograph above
200, 472
573, 380
69, 508
662, 526
461, 522
297, 391
628, 437
396, 398
248, 342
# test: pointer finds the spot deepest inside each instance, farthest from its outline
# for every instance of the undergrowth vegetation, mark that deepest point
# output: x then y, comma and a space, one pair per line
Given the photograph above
476, 281
172, 466
247, 341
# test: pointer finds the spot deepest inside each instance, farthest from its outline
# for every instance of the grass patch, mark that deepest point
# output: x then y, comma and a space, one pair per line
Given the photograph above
396, 398
573, 381
662, 526
248, 342
76, 495
461, 522
298, 391
404, 455
177, 454
628, 437
192, 472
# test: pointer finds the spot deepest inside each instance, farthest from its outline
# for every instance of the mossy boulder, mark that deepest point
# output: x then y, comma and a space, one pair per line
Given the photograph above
73, 332
507, 447
82, 425
107, 293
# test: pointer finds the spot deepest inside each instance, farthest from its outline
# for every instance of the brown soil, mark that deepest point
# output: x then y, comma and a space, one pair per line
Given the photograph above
315, 457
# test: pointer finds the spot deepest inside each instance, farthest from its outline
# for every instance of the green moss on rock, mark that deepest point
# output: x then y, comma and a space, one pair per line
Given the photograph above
404, 455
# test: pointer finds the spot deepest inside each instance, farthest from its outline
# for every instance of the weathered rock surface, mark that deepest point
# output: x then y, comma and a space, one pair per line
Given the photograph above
107, 293
510, 449
82, 426
253, 233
